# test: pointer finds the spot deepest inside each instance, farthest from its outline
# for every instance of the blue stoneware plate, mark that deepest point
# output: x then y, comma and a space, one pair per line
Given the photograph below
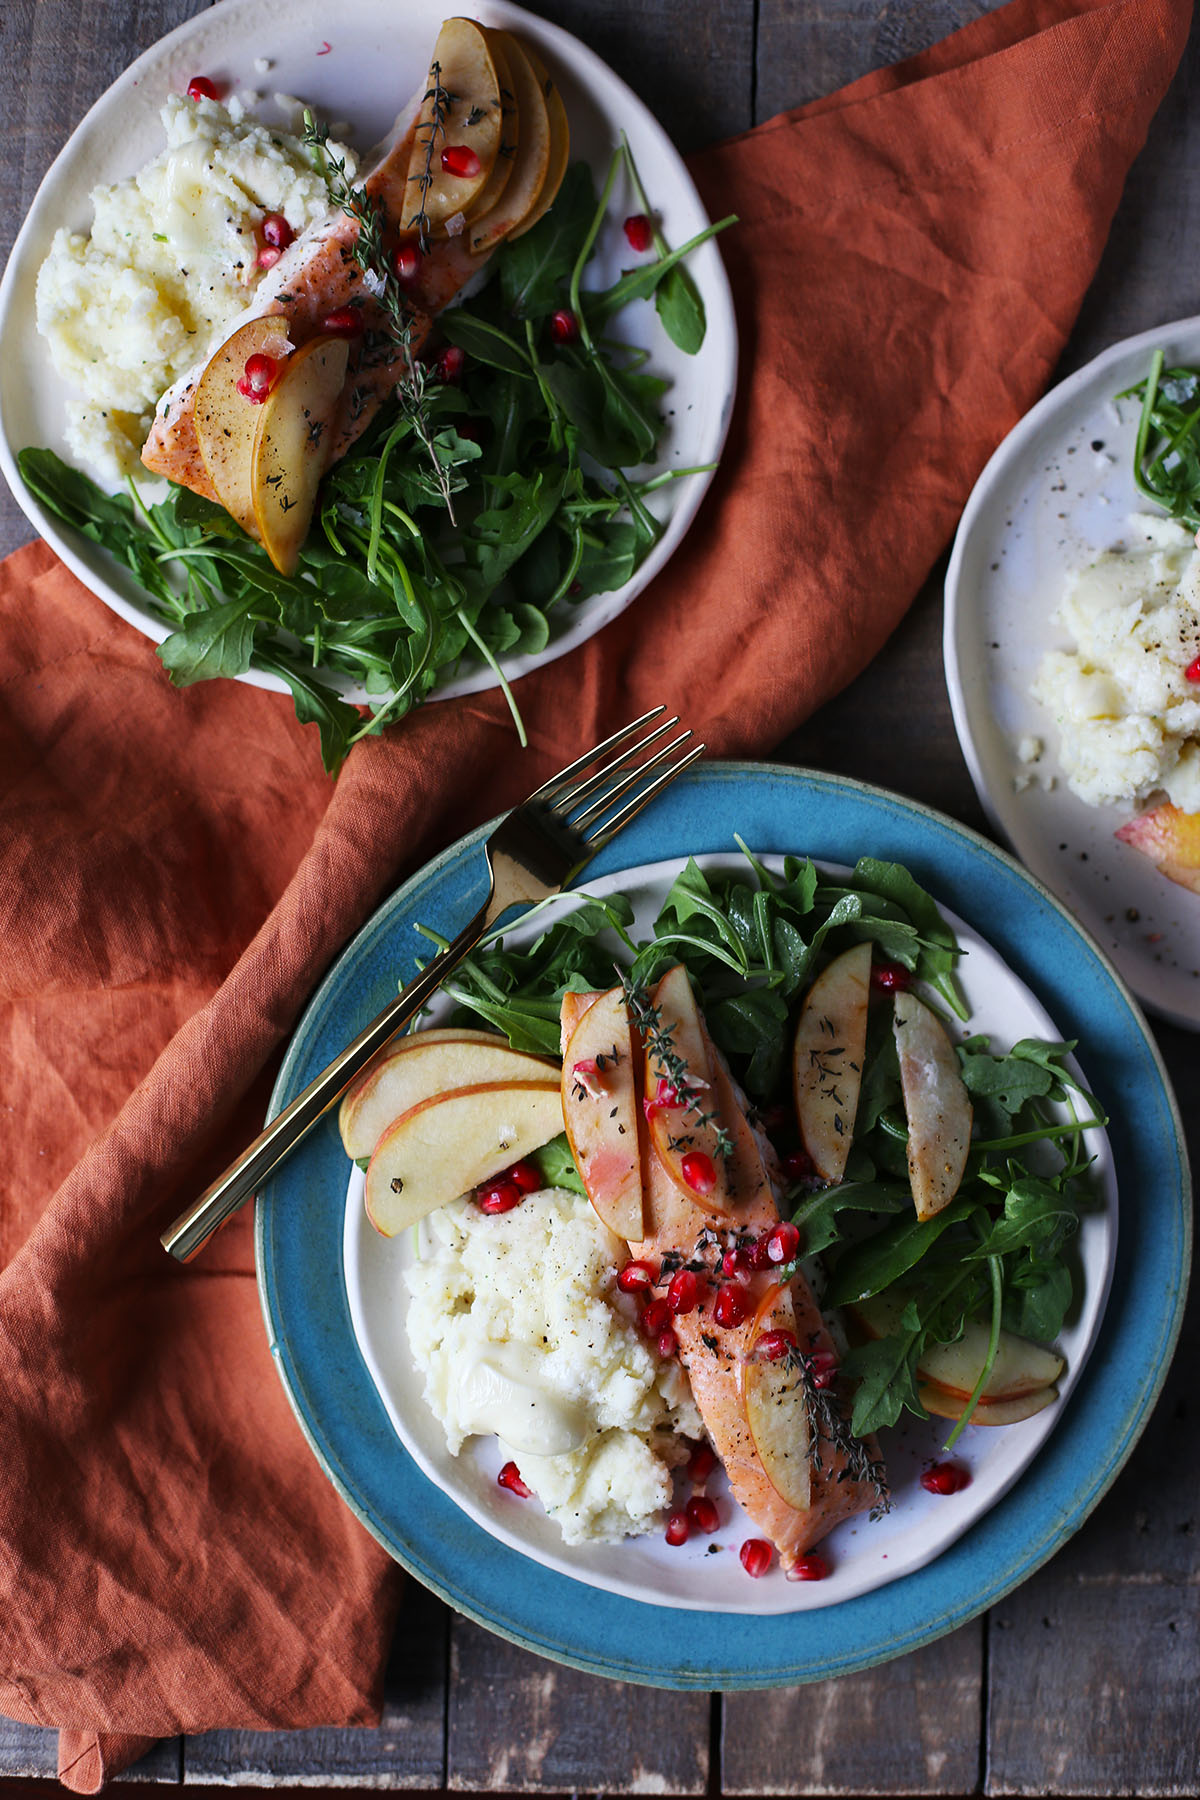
299, 1247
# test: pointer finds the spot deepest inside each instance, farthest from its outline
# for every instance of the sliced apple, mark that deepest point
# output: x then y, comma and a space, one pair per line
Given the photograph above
560, 146
678, 1131
444, 1147
772, 1394
531, 161
1020, 1367
461, 120
1170, 838
510, 132
291, 450
827, 1059
227, 422
600, 1109
422, 1066
935, 1103
944, 1405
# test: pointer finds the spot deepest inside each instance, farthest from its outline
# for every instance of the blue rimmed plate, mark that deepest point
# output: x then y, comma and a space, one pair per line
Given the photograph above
301, 1215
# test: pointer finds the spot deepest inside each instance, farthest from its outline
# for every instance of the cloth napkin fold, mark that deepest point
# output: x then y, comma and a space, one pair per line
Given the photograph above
176, 871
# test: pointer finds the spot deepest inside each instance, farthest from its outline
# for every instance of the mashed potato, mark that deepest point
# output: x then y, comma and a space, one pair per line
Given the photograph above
518, 1328
1128, 717
169, 266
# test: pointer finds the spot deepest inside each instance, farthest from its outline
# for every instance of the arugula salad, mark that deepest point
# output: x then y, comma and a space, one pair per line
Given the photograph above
466, 525
997, 1259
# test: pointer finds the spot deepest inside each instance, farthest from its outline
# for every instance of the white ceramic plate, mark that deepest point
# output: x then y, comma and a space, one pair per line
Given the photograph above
863, 1555
360, 63
1057, 492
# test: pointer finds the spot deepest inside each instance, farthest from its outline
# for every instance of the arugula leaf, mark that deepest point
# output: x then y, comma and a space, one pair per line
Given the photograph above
532, 268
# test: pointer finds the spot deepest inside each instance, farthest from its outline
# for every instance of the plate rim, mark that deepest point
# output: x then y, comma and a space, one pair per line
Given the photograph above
607, 606
1026, 429
887, 1639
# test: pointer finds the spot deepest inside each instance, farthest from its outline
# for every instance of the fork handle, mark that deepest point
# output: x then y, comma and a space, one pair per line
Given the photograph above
193, 1228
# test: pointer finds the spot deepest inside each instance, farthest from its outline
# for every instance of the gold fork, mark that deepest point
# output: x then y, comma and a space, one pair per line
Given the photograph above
537, 850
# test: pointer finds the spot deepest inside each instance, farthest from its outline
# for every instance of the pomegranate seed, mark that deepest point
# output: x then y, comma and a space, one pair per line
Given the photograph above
656, 1317
890, 978
773, 1346
666, 1098
822, 1367
586, 1075
638, 232
735, 1262
450, 364
276, 231
461, 160
526, 1175
564, 326
782, 1242
510, 1478
945, 1478
1192, 672
201, 88
703, 1513
635, 1277
698, 1172
701, 1462
808, 1568
756, 1556
257, 377
268, 256
668, 1344
344, 321
683, 1291
407, 262
731, 1306
679, 1528
498, 1197
799, 1166
757, 1255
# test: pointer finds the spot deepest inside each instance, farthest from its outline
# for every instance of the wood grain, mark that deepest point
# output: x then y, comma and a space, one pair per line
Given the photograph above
910, 1727
521, 1724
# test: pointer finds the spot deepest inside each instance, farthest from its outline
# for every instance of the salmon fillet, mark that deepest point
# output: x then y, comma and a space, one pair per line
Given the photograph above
679, 1231
317, 275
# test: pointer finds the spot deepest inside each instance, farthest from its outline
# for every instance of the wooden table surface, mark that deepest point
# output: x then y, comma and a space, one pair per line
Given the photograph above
1083, 1681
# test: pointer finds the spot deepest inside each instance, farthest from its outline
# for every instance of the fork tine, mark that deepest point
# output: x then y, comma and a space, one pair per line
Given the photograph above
629, 760
622, 779
549, 788
598, 840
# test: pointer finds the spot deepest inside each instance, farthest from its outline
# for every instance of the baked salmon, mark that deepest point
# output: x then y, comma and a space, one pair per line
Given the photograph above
841, 1476
317, 276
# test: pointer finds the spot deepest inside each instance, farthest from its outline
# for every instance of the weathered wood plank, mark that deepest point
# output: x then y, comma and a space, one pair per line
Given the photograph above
908, 1727
407, 1750
521, 1724
31, 1751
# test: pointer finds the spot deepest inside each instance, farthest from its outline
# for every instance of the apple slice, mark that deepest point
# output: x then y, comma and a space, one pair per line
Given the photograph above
945, 1405
827, 1059
772, 1394
936, 1104
510, 131
1170, 837
1020, 1367
457, 135
560, 146
600, 1109
422, 1066
444, 1147
227, 422
532, 159
678, 1133
291, 450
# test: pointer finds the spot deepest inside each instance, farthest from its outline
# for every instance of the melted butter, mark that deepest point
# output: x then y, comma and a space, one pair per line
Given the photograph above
499, 1392
195, 214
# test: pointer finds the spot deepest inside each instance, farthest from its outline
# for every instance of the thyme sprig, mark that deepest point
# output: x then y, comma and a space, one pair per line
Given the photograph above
828, 1422
648, 1019
441, 101
370, 253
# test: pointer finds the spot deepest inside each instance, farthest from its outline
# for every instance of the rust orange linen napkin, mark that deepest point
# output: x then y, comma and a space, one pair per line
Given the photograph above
176, 871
